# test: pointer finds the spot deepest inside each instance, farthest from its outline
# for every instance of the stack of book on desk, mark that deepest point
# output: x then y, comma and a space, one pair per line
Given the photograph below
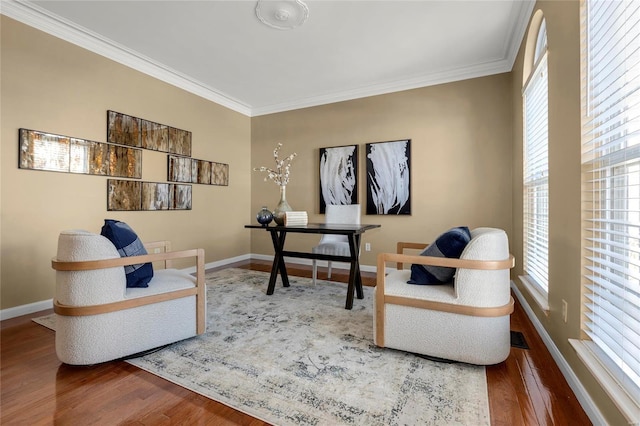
295, 218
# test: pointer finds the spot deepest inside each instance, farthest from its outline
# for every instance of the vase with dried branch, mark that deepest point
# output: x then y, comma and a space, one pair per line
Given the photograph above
279, 175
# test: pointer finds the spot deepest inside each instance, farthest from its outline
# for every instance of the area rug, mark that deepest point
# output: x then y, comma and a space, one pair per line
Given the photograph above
299, 358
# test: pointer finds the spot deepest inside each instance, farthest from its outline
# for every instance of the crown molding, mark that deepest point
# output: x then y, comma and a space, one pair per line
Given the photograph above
39, 18
523, 16
447, 76
522, 10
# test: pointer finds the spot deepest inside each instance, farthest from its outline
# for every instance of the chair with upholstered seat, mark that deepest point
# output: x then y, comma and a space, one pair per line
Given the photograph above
466, 319
336, 245
99, 318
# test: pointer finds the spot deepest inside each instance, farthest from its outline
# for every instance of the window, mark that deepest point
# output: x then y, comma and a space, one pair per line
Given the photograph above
611, 197
536, 169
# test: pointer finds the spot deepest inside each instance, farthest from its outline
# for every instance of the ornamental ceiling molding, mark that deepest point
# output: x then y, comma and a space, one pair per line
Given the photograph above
282, 14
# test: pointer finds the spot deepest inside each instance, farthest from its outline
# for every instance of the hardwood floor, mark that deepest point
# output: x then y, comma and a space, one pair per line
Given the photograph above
36, 389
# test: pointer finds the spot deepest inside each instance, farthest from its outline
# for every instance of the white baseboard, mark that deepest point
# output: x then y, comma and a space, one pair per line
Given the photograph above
322, 263
25, 309
48, 304
219, 263
581, 393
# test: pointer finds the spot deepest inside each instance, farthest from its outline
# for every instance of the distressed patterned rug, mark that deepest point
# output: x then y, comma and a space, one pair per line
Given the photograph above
299, 358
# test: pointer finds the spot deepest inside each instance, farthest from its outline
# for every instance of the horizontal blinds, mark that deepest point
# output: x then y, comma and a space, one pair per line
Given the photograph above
611, 177
536, 174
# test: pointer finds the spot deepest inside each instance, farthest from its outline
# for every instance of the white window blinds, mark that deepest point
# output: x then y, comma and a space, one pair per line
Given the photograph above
611, 182
536, 169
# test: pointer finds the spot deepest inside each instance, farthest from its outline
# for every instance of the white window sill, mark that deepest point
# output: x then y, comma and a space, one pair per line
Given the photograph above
628, 405
539, 297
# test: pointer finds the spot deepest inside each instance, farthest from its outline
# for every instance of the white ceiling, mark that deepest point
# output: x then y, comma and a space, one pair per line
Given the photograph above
347, 49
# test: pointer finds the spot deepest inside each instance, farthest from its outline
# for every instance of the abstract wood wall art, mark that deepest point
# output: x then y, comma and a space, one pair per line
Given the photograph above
191, 170
47, 151
219, 174
133, 131
129, 195
154, 136
179, 142
389, 177
123, 129
155, 196
338, 175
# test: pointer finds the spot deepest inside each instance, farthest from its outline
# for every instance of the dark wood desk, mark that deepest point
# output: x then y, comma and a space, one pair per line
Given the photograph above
353, 234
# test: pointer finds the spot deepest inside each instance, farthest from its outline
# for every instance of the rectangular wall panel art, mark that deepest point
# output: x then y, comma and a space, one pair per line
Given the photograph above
338, 175
47, 151
191, 170
389, 177
127, 130
131, 195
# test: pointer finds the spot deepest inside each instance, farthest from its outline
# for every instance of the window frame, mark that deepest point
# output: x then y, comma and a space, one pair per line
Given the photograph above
536, 219
611, 182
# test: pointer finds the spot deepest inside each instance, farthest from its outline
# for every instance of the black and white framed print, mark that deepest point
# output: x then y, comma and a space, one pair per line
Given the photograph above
338, 176
389, 177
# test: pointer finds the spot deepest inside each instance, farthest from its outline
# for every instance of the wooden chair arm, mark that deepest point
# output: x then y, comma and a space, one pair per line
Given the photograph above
87, 265
446, 262
406, 245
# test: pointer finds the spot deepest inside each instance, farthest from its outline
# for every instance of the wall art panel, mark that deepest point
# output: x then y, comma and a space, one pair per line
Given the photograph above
128, 195
338, 176
123, 129
179, 142
191, 170
127, 130
389, 177
50, 152
220, 174
154, 136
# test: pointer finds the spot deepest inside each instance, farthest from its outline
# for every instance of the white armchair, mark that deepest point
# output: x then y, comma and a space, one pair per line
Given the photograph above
99, 319
337, 245
467, 320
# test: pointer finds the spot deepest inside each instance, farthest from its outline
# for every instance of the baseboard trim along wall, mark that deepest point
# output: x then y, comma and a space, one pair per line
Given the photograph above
48, 304
583, 396
30, 308
321, 263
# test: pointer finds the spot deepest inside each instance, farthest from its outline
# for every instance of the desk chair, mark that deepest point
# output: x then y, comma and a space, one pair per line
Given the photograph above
337, 245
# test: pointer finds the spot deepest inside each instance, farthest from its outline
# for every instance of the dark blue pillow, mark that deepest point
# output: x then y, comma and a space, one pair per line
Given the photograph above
449, 244
128, 244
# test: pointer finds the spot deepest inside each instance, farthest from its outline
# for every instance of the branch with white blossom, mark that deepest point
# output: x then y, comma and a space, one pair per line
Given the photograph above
280, 175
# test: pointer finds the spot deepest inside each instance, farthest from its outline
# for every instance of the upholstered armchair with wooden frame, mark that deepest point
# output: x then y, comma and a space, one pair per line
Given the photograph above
467, 320
100, 319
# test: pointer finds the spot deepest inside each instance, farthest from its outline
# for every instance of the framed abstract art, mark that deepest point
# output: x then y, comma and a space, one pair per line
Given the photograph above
389, 177
338, 175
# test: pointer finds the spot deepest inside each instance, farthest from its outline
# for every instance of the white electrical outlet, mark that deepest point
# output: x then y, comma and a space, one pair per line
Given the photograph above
565, 308
367, 246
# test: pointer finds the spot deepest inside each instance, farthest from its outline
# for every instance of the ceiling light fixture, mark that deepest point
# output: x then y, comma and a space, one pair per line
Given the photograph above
282, 14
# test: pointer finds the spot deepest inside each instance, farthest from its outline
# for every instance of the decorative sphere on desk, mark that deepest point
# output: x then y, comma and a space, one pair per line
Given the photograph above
264, 216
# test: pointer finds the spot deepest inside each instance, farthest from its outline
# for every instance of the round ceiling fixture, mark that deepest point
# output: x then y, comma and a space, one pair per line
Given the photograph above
282, 14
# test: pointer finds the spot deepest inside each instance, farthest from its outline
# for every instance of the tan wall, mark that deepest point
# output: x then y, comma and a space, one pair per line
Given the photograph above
563, 25
460, 158
54, 86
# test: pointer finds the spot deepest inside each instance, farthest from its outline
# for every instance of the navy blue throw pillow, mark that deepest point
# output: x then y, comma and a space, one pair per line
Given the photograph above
450, 244
128, 244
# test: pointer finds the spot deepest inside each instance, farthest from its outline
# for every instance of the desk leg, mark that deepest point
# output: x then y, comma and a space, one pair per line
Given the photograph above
278, 261
355, 279
359, 290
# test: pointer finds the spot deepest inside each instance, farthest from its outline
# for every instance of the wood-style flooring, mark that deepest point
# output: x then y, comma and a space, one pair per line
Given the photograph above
36, 389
